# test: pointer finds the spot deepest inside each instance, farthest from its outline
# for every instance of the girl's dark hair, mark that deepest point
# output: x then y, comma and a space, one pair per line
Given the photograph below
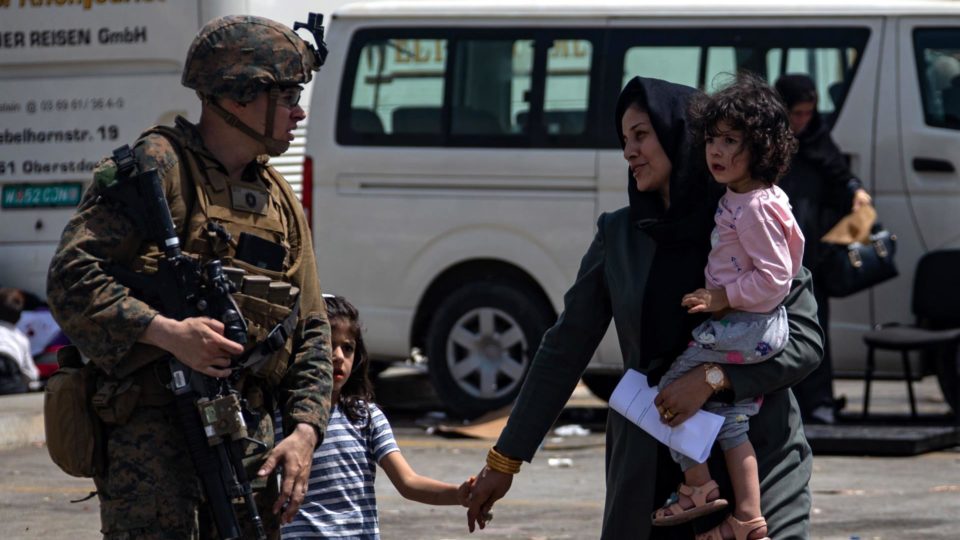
749, 105
357, 392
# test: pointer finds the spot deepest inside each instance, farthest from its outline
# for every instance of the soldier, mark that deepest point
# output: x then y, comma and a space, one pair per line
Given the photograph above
248, 72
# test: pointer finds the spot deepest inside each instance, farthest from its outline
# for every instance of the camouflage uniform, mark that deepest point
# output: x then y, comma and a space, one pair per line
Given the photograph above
149, 488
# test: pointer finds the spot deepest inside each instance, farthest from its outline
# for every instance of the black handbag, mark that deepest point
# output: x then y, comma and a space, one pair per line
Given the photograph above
854, 267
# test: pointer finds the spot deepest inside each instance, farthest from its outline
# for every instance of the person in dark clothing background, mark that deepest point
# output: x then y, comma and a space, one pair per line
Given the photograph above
17, 370
822, 190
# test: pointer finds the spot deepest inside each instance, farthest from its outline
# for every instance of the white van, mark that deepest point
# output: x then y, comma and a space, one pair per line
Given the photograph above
460, 153
80, 78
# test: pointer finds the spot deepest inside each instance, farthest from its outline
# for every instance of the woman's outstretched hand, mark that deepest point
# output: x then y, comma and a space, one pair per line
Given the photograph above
489, 487
682, 398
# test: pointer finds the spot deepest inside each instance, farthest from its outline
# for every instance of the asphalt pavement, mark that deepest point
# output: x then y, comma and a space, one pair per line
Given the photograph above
559, 495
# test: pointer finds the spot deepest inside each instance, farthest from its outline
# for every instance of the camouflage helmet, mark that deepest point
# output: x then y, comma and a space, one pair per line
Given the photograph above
239, 56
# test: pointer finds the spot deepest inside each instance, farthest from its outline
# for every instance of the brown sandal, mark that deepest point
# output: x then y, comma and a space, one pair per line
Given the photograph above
741, 529
701, 506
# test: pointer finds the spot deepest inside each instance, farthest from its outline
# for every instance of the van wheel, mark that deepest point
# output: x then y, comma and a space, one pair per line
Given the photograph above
480, 344
601, 384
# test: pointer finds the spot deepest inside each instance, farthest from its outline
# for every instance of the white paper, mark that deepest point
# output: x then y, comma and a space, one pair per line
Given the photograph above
633, 398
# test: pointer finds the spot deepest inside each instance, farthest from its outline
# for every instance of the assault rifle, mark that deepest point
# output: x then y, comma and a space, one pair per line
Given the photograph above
210, 410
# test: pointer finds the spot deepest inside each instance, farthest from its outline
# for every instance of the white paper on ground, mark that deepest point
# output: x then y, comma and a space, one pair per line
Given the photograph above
633, 398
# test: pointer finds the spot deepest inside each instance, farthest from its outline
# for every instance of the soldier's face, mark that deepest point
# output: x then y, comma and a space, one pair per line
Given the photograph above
287, 114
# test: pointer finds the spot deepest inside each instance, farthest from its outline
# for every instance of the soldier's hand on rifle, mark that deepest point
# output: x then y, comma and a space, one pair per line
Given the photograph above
295, 453
198, 342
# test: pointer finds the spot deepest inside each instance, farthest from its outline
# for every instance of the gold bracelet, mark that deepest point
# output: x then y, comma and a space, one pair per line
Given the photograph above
496, 453
502, 463
502, 467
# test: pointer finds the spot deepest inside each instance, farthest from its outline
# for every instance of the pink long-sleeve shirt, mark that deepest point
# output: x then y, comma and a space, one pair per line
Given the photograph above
757, 249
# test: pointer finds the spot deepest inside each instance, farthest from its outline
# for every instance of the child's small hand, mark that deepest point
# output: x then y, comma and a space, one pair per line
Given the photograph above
463, 492
708, 300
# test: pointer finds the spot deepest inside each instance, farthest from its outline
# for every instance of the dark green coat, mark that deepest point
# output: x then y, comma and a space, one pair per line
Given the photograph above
611, 283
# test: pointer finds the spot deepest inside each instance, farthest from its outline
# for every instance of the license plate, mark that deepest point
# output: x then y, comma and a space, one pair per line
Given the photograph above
41, 195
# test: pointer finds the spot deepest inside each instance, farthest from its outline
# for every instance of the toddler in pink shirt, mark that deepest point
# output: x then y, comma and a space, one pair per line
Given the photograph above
757, 248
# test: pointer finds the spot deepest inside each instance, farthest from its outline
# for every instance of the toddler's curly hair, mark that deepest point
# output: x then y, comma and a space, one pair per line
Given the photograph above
749, 105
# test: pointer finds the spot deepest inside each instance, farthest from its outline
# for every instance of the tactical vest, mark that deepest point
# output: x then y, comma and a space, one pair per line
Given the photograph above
266, 298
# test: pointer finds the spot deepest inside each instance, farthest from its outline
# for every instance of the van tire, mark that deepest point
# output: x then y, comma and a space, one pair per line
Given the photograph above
480, 343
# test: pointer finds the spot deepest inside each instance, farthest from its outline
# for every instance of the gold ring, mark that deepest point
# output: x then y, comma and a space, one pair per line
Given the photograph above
668, 414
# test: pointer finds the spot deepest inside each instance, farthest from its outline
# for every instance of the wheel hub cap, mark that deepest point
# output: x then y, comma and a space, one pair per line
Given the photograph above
487, 353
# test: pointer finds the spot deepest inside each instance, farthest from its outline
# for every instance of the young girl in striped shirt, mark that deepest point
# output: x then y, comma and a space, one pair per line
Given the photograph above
340, 501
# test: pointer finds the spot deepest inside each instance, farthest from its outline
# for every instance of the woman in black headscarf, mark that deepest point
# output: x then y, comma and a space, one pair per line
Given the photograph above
822, 190
644, 258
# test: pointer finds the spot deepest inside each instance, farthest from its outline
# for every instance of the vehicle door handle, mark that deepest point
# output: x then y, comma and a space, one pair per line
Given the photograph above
932, 165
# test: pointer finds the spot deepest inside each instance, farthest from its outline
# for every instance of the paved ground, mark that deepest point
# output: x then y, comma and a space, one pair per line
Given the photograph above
873, 498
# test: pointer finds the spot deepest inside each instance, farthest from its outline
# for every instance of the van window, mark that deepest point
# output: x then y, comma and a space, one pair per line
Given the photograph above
681, 64
491, 86
938, 70
398, 87
468, 87
828, 67
675, 64
706, 57
567, 94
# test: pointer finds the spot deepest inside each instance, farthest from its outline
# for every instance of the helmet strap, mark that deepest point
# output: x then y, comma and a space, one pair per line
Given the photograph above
272, 96
275, 147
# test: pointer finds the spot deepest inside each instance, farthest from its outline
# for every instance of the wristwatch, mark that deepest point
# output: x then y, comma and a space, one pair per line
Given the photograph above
715, 377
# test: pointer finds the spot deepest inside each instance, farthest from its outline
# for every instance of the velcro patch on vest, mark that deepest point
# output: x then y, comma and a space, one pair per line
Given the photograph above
249, 200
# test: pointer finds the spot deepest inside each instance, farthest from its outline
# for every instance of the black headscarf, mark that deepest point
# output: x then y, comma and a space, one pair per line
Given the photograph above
693, 196
682, 231
796, 88
816, 146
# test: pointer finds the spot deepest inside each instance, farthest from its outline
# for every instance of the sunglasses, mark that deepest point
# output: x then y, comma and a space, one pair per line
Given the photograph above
289, 97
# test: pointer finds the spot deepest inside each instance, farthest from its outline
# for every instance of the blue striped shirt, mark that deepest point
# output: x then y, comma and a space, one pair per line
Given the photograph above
340, 500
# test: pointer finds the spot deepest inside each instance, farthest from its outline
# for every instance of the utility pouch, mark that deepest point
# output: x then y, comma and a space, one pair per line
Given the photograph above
74, 433
265, 323
114, 400
261, 253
